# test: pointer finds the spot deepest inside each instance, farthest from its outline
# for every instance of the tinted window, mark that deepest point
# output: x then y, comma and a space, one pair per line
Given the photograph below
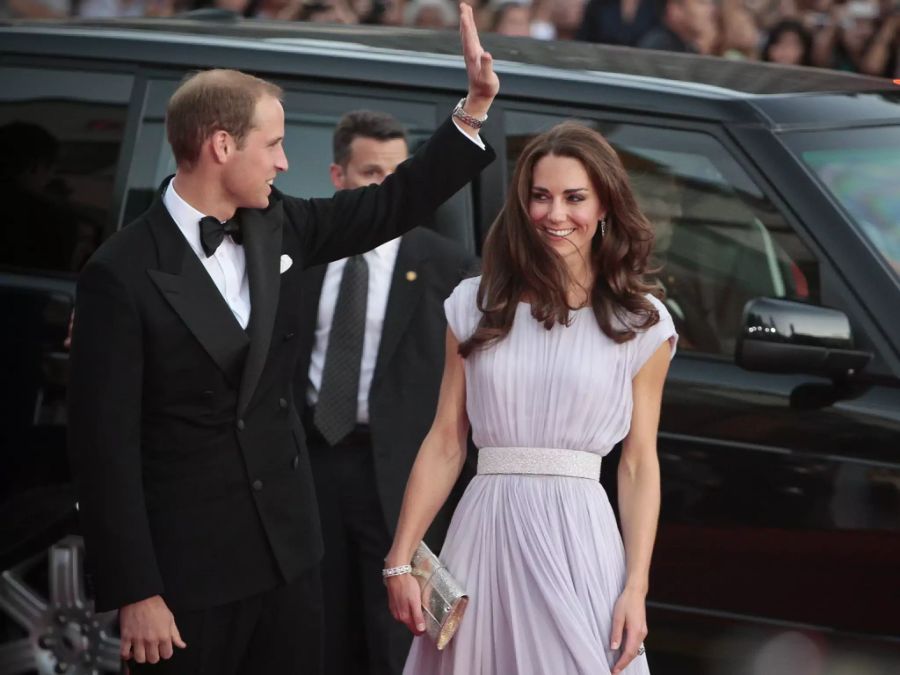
860, 168
719, 240
60, 136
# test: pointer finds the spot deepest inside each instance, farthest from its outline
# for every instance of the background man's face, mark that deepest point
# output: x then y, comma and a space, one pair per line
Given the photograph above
371, 161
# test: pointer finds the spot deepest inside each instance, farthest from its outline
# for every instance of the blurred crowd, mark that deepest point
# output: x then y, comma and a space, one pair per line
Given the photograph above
852, 35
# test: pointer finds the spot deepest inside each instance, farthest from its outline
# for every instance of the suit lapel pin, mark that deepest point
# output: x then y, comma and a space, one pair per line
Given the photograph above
411, 276
286, 263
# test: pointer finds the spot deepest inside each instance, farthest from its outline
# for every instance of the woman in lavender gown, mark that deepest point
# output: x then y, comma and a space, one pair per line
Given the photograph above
554, 355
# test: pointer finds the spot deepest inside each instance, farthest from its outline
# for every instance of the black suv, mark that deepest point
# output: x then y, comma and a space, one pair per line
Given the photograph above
776, 199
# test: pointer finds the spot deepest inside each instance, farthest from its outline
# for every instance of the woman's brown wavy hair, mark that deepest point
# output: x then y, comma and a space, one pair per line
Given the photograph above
518, 265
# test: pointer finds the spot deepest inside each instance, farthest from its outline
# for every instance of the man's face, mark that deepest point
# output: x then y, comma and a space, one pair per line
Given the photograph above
252, 168
370, 162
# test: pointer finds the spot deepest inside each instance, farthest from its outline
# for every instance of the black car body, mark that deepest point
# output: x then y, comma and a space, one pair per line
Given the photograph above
775, 194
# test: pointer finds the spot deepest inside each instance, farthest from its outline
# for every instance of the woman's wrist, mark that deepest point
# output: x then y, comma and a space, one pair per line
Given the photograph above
396, 571
641, 586
396, 557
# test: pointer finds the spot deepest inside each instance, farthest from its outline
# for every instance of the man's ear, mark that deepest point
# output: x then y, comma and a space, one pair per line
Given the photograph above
222, 146
338, 176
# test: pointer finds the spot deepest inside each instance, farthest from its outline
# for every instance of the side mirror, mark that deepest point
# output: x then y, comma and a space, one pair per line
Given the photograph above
784, 336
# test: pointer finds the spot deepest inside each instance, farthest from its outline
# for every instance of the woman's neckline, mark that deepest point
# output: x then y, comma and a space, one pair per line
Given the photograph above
576, 309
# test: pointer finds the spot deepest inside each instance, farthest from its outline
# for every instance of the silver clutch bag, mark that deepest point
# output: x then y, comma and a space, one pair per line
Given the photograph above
443, 599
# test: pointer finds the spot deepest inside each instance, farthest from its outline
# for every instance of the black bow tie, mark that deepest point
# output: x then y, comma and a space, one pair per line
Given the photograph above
212, 232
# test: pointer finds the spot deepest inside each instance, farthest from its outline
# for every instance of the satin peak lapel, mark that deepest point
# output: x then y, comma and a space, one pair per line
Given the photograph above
262, 236
189, 290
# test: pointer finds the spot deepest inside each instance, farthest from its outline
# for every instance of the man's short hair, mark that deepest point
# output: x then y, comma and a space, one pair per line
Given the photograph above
366, 123
210, 101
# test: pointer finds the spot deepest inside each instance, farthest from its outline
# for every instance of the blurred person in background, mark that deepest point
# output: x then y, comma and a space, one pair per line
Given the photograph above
35, 9
566, 17
430, 14
542, 26
814, 14
327, 11
618, 22
856, 38
769, 12
789, 44
511, 17
740, 35
709, 38
102, 9
687, 26
366, 11
556, 19
286, 10
882, 57
387, 12
240, 7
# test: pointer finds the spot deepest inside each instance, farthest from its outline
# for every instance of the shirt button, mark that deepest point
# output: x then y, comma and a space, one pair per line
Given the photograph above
241, 425
282, 403
257, 485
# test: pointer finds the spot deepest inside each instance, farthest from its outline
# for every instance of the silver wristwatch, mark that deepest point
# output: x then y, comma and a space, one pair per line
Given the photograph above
466, 118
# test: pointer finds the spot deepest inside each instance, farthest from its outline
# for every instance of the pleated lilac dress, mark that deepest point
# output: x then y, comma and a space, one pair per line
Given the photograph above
540, 555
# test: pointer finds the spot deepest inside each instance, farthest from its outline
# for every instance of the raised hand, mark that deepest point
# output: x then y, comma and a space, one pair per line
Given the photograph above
483, 81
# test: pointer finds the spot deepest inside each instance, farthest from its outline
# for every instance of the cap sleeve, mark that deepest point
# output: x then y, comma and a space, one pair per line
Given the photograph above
648, 341
462, 310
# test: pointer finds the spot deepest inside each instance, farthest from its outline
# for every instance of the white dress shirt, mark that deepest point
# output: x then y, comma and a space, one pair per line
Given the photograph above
381, 263
227, 266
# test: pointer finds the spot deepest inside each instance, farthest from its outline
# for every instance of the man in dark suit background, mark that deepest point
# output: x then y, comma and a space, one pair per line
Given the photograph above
195, 491
379, 408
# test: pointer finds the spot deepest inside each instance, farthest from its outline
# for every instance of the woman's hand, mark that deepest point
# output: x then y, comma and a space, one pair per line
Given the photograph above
630, 618
405, 601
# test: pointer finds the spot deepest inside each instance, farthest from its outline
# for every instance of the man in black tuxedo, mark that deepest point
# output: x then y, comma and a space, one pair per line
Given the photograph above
365, 420
196, 495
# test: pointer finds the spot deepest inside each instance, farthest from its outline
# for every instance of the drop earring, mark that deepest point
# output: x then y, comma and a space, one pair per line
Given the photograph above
602, 225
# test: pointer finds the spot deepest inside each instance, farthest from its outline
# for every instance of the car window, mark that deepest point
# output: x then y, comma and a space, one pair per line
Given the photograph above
859, 167
60, 138
719, 240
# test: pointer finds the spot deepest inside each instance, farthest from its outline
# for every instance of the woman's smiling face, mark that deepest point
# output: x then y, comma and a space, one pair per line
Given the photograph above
564, 205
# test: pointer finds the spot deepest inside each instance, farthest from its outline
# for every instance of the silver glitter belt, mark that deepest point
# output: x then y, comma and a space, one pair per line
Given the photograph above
540, 461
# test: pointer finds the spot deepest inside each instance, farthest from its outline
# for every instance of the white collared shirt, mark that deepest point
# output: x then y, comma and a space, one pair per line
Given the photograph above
227, 266
381, 262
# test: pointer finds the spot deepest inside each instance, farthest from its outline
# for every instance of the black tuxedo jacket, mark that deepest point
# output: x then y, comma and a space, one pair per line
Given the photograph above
405, 385
191, 464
